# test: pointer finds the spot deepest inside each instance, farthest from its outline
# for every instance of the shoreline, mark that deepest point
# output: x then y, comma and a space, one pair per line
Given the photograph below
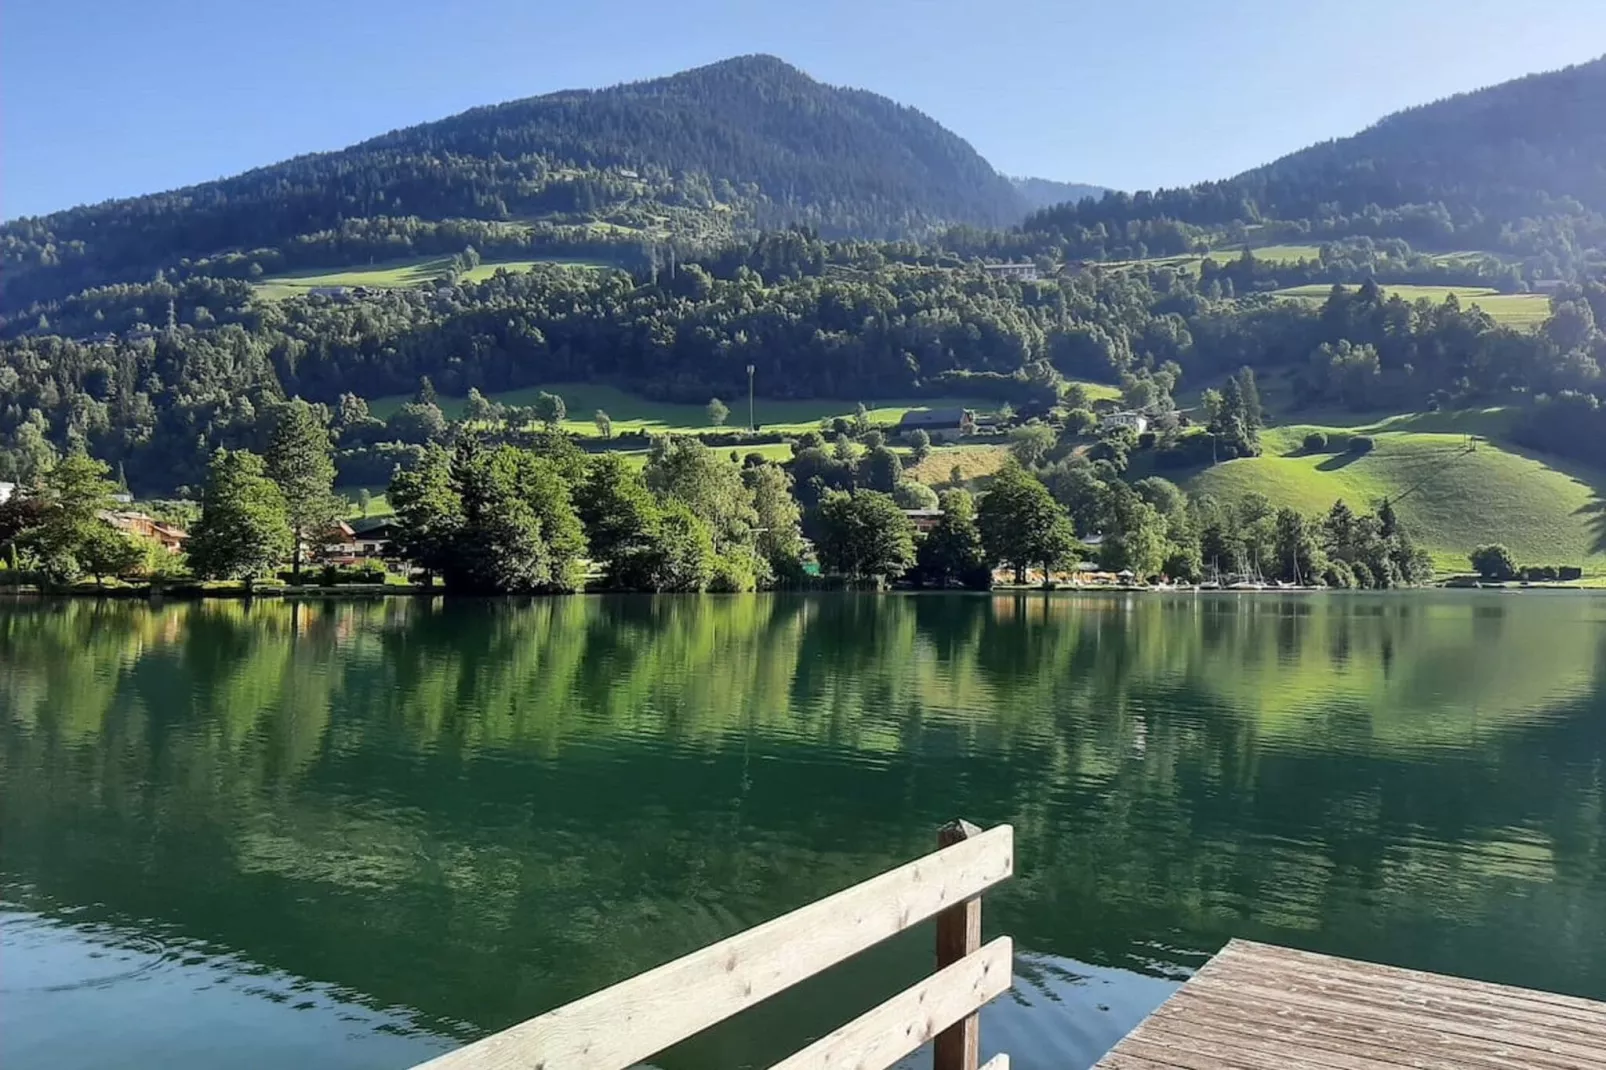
190, 593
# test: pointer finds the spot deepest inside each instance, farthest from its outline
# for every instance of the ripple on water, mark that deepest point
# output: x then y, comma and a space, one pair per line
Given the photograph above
37, 960
136, 998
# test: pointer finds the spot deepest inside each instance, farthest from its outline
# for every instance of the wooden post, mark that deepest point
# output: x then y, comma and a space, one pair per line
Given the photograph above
958, 934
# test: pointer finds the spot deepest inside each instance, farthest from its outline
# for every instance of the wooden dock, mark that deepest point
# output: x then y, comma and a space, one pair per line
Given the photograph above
1252, 1007
1258, 1007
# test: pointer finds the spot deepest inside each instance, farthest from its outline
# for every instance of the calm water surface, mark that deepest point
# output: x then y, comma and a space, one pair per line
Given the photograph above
357, 835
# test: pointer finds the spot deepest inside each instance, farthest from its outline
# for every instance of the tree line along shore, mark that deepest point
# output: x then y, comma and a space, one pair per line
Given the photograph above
532, 512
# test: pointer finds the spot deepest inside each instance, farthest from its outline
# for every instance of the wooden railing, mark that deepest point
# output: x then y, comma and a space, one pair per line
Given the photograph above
620, 1026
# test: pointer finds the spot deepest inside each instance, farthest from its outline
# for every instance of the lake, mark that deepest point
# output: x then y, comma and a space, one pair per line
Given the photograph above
357, 834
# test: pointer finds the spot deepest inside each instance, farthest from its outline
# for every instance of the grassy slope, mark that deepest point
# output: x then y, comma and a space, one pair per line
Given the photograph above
396, 273
631, 412
1516, 310
1538, 507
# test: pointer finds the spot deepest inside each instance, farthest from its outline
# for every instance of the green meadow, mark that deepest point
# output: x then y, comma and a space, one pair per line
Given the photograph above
1454, 490
1516, 310
395, 274
631, 412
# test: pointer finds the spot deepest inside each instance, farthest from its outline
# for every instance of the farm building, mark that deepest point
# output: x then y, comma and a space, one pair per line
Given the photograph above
943, 425
1137, 421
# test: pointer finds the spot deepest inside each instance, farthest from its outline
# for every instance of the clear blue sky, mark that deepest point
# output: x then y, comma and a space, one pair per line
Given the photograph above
101, 99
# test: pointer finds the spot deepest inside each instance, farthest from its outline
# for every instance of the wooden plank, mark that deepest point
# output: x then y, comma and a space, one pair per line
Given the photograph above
624, 1024
876, 1040
1249, 1022
1447, 1007
1317, 967
958, 1047
1257, 1007
1378, 1011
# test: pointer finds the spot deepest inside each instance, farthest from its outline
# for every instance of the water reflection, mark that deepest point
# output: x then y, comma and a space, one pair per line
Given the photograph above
466, 813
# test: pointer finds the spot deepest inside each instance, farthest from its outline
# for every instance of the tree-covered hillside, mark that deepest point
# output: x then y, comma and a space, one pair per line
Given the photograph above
743, 144
1518, 168
1045, 192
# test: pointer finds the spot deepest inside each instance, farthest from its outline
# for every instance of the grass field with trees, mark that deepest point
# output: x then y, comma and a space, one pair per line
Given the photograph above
1515, 310
393, 274
1452, 499
632, 412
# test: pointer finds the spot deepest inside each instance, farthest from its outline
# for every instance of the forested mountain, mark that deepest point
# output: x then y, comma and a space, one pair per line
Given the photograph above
1518, 167
1045, 192
743, 144
135, 328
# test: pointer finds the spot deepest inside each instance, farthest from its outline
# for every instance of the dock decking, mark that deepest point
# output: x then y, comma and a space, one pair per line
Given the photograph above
1258, 1007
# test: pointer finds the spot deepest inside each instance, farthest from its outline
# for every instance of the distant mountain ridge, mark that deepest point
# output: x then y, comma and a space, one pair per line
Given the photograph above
643, 172
1046, 192
1486, 167
744, 144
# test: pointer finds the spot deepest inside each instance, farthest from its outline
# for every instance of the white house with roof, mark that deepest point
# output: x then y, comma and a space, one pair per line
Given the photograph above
1137, 421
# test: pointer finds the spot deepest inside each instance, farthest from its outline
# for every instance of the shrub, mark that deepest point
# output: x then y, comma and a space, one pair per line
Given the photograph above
1147, 440
1361, 444
1316, 442
1569, 573
1362, 572
362, 572
1493, 562
1339, 575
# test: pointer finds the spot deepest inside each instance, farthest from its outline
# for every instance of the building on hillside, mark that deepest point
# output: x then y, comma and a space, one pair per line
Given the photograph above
6, 491
375, 536
1026, 272
334, 293
338, 546
169, 536
943, 425
923, 519
1137, 421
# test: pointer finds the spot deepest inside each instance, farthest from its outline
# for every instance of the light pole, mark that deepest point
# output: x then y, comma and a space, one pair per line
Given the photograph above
751, 426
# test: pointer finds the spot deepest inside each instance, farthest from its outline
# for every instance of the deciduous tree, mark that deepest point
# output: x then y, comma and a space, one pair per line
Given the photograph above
1021, 525
864, 535
244, 529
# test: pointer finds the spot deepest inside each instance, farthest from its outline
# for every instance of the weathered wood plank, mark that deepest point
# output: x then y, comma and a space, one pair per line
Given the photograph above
1316, 967
1247, 1023
1320, 1040
958, 1047
1410, 1021
1255, 1007
879, 1038
621, 1025
1408, 997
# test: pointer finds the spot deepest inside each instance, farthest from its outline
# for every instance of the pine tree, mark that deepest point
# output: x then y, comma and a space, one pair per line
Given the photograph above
301, 461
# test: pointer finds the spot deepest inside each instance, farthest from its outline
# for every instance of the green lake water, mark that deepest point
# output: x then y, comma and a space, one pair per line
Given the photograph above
359, 834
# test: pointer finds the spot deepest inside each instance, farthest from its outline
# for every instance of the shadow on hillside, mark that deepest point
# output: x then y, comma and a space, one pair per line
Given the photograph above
1595, 509
1339, 460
